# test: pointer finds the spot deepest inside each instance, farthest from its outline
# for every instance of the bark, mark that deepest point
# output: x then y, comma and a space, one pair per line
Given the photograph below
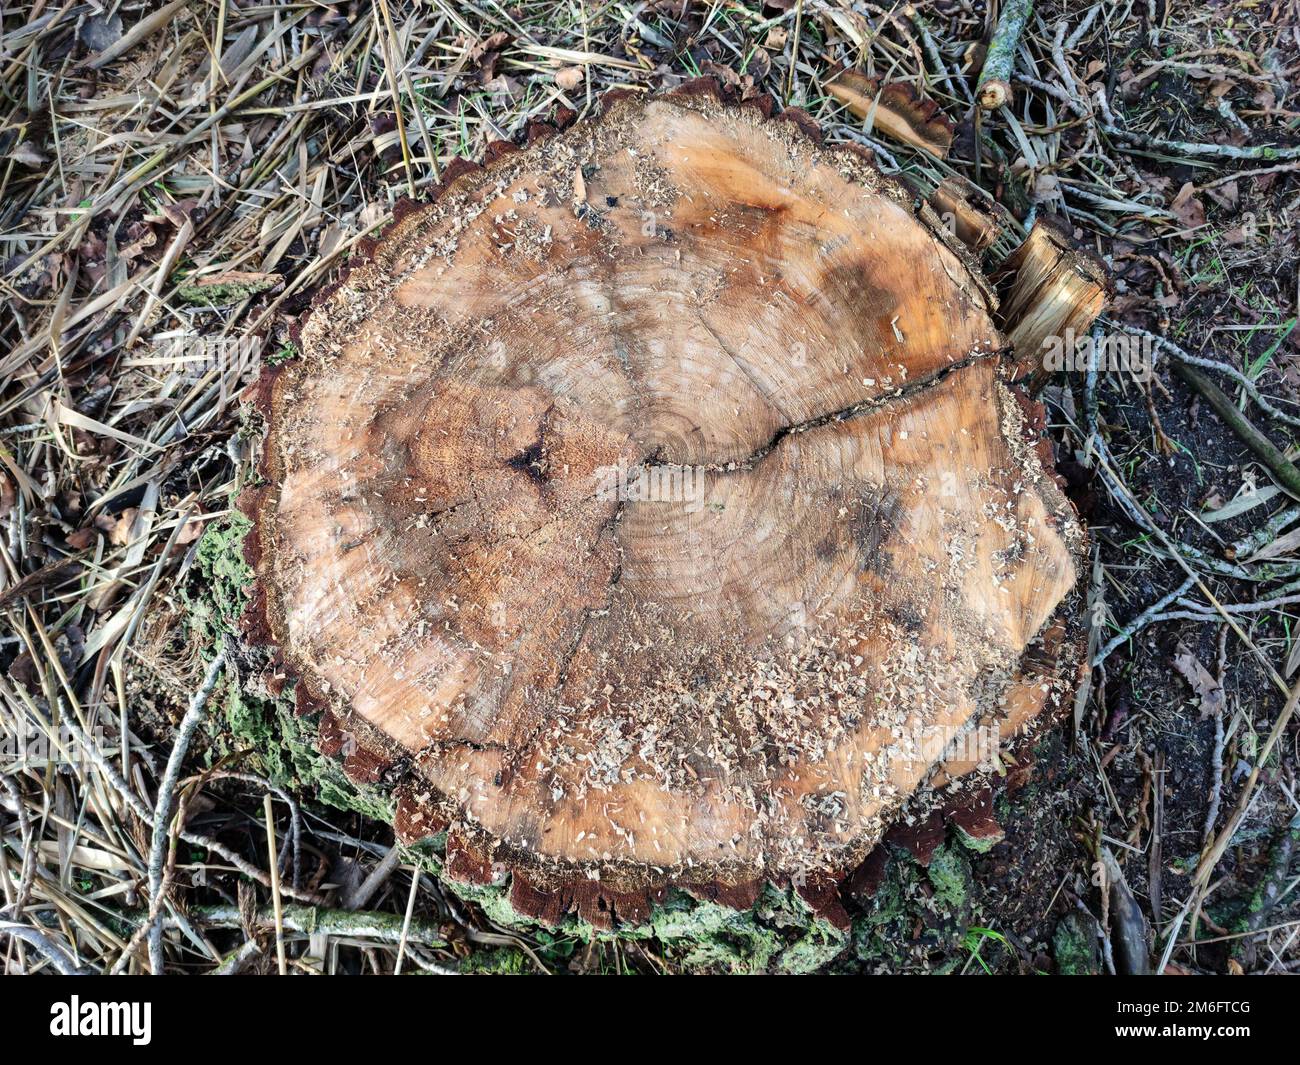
896, 109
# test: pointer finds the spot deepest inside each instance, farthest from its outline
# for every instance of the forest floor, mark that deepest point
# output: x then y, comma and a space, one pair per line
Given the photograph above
203, 167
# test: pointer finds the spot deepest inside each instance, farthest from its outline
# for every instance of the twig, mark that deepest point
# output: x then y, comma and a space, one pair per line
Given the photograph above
274, 865
295, 815
406, 921
1205, 151
55, 955
238, 960
163, 808
1211, 364
354, 900
1216, 759
137, 806
27, 875
309, 920
1141, 621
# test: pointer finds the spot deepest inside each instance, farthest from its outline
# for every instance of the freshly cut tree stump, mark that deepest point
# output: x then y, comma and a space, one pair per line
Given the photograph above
651, 510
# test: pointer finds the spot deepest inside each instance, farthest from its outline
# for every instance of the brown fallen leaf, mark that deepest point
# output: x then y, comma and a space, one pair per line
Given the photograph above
191, 531
80, 539
28, 155
117, 529
1200, 680
1187, 208
569, 78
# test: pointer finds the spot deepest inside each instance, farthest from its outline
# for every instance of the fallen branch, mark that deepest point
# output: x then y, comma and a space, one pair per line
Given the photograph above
1268, 453
1141, 621
1211, 364
46, 947
310, 920
994, 88
1192, 149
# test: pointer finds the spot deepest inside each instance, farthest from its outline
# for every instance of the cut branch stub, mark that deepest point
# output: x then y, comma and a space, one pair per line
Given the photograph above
1054, 293
650, 510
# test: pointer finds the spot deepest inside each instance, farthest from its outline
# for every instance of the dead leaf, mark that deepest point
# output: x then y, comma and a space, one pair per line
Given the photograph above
485, 54
569, 78
117, 529
80, 539
1187, 208
191, 531
1283, 545
100, 32
1200, 680
493, 43
27, 155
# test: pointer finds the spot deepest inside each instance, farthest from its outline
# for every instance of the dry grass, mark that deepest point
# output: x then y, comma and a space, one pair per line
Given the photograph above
148, 151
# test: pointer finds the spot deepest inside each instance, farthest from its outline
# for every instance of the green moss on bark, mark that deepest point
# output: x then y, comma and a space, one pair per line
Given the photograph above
778, 934
260, 730
1075, 945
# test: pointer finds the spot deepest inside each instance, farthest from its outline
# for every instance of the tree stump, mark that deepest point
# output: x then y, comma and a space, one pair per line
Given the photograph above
651, 510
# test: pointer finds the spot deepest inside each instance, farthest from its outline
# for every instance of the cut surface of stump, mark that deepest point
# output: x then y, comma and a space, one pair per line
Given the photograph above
651, 510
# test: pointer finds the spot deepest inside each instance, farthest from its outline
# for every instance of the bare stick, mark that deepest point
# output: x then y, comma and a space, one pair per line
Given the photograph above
354, 900
27, 876
1216, 761
275, 885
308, 920
54, 954
1142, 621
1194, 149
406, 921
163, 808
994, 88
235, 963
